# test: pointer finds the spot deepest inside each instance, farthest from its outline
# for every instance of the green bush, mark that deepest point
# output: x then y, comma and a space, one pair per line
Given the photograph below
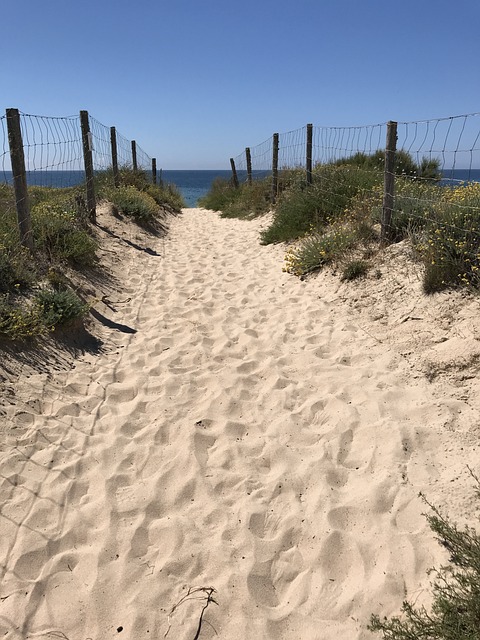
303, 207
354, 269
317, 250
17, 270
221, 194
133, 203
166, 195
449, 244
19, 321
244, 201
455, 610
59, 307
57, 232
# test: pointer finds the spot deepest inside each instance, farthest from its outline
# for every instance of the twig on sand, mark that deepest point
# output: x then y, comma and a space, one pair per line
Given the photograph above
207, 597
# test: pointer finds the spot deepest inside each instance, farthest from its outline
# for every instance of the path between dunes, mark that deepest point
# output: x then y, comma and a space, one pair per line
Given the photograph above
248, 437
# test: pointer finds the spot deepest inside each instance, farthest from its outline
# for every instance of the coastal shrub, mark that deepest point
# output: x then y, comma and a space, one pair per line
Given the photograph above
17, 269
163, 194
222, 192
57, 232
59, 307
317, 250
354, 269
133, 203
455, 609
244, 201
166, 194
428, 169
18, 321
302, 207
449, 245
250, 200
22, 317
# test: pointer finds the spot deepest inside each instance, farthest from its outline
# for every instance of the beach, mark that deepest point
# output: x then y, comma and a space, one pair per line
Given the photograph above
241, 455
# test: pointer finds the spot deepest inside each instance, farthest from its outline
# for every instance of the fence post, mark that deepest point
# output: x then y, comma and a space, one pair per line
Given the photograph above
134, 155
389, 182
88, 162
249, 165
154, 170
309, 152
19, 177
234, 173
113, 142
275, 168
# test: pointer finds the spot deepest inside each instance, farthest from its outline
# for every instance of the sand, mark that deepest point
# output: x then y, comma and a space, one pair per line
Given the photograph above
241, 435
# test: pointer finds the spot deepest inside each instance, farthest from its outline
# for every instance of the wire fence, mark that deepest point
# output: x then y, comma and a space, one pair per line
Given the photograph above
53, 150
453, 143
405, 165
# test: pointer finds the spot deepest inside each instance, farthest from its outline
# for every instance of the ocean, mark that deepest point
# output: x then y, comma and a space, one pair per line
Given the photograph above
192, 184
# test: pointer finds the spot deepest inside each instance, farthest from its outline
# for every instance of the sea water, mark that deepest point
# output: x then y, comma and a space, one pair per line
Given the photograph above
192, 183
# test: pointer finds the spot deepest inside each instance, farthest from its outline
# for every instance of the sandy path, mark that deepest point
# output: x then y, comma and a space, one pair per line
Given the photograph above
248, 437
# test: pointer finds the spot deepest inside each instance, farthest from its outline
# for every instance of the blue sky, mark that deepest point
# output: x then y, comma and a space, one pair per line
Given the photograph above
196, 81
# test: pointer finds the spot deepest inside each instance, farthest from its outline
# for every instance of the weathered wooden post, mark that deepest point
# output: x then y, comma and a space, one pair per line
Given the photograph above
389, 183
113, 142
134, 155
275, 168
88, 162
154, 170
17, 157
234, 173
309, 152
249, 165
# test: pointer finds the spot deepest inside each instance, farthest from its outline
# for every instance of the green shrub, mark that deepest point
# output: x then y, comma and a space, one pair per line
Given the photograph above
455, 610
303, 207
57, 232
354, 269
19, 321
250, 200
317, 250
134, 203
17, 269
166, 195
221, 193
59, 307
449, 245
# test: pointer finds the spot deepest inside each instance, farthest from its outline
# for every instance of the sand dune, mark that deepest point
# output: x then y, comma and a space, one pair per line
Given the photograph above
245, 432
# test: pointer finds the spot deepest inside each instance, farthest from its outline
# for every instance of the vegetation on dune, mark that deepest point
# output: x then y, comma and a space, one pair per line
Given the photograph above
132, 183
35, 298
455, 610
336, 218
246, 201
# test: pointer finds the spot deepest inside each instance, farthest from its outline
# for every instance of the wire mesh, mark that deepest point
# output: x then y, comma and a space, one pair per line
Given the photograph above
124, 151
4, 154
52, 149
144, 161
331, 144
453, 143
101, 145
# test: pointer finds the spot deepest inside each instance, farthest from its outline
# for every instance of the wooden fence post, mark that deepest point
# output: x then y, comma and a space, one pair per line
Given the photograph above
17, 157
275, 168
234, 173
88, 162
113, 142
249, 165
154, 170
309, 152
389, 183
134, 155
